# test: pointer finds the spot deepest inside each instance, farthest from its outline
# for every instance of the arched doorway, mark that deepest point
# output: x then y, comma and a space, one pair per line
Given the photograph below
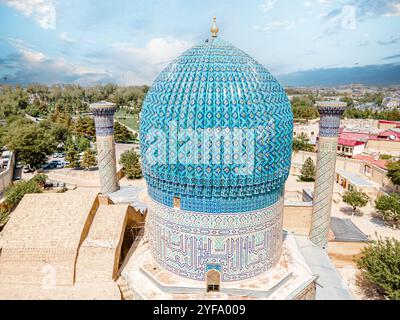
213, 279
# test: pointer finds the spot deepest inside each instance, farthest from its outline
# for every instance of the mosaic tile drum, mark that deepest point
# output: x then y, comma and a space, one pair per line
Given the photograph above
216, 142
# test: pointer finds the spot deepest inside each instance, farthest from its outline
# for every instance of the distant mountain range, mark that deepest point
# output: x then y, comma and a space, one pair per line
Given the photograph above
385, 74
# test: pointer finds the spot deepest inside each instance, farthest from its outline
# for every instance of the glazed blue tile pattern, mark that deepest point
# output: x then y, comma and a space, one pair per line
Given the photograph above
104, 125
242, 245
213, 266
218, 204
330, 120
217, 86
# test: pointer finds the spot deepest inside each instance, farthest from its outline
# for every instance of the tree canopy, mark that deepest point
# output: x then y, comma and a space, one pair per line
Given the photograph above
308, 171
88, 159
31, 142
389, 208
131, 164
394, 172
355, 199
380, 263
302, 143
72, 156
304, 108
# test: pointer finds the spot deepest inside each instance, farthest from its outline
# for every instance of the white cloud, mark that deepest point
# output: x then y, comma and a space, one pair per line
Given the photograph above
29, 54
137, 65
42, 11
268, 5
395, 10
276, 25
30, 65
65, 37
156, 51
123, 63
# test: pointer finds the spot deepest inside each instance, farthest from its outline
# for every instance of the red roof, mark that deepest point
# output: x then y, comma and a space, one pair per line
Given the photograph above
389, 122
371, 159
354, 135
387, 134
349, 142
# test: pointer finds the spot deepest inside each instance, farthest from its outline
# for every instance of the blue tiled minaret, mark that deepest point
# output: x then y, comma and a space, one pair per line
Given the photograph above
330, 114
104, 120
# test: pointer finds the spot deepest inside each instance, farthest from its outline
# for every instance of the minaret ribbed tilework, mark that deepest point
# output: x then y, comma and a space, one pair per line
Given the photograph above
104, 119
330, 114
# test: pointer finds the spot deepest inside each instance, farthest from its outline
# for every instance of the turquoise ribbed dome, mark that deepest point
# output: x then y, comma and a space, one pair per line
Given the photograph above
190, 148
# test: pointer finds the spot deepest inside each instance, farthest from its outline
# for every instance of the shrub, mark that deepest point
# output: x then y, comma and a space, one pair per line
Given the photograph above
380, 263
40, 179
15, 193
385, 157
4, 216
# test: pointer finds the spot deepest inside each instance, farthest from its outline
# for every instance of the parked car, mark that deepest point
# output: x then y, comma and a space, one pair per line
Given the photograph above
45, 166
49, 166
53, 165
60, 165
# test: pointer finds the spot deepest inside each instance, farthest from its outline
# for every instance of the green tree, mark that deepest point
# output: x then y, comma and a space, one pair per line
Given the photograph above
31, 143
349, 101
380, 264
84, 126
121, 133
355, 199
13, 101
302, 143
61, 117
82, 143
131, 164
304, 108
72, 157
14, 194
88, 159
308, 171
389, 208
394, 172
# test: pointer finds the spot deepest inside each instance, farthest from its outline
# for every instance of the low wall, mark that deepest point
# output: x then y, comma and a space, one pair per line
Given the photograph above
6, 176
344, 253
297, 217
348, 164
384, 146
356, 166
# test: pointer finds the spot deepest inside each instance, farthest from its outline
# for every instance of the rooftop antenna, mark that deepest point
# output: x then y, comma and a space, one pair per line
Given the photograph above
214, 28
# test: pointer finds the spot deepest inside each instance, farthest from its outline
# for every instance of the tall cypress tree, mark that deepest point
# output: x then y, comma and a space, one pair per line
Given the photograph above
308, 171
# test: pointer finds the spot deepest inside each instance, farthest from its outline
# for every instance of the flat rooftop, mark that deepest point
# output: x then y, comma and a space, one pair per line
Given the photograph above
354, 178
346, 231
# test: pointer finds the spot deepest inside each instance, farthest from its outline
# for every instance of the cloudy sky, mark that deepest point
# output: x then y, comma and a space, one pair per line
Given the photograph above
130, 41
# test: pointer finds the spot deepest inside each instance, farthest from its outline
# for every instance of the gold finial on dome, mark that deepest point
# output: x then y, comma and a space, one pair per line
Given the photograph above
214, 28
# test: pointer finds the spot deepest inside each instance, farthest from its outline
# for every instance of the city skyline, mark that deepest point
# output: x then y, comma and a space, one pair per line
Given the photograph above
128, 43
